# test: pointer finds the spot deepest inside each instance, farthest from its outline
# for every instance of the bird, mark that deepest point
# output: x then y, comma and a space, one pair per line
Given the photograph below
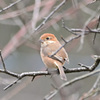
49, 45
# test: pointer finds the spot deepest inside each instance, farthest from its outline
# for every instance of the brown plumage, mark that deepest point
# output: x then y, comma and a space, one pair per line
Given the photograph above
49, 44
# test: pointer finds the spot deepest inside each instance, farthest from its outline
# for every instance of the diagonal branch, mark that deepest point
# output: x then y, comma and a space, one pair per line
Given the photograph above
65, 42
12, 4
54, 92
75, 32
2, 61
96, 28
84, 68
48, 17
93, 91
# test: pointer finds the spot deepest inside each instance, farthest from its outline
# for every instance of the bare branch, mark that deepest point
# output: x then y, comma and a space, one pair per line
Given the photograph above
40, 73
9, 6
77, 31
9, 73
86, 24
2, 61
66, 41
96, 28
22, 75
46, 18
93, 91
73, 38
11, 84
86, 31
54, 92
69, 30
36, 13
84, 67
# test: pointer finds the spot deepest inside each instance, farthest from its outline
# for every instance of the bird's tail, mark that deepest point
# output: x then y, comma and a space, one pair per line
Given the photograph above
62, 73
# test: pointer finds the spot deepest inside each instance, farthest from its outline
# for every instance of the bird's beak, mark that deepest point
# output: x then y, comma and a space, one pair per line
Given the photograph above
41, 41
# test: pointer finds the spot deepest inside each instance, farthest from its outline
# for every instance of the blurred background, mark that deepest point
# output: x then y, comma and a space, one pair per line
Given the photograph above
20, 46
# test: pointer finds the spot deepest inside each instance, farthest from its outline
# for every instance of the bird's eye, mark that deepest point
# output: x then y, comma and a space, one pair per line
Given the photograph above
47, 38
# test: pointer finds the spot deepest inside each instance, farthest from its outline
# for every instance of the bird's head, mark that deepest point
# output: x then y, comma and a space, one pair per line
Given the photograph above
47, 38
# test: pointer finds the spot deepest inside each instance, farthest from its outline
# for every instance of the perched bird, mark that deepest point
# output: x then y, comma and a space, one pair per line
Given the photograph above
49, 44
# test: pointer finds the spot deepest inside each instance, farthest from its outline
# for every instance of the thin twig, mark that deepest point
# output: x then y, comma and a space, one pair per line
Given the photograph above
96, 28
86, 31
9, 6
85, 25
93, 91
36, 13
69, 30
10, 85
54, 92
2, 61
66, 41
57, 51
48, 17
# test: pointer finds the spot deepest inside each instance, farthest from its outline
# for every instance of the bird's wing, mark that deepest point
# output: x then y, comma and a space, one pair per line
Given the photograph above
58, 58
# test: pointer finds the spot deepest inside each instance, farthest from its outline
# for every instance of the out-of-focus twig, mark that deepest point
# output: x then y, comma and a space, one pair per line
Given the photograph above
75, 32
93, 91
12, 45
2, 61
9, 6
47, 18
36, 13
17, 20
86, 25
96, 28
54, 92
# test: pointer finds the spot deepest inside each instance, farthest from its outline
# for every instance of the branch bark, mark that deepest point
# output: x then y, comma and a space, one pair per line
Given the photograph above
41, 73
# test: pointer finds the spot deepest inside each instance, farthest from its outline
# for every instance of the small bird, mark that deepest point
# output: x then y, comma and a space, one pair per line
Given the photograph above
49, 44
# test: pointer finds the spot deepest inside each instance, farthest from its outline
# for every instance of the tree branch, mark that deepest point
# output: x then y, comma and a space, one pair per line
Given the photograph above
75, 32
93, 91
96, 28
12, 4
2, 61
46, 18
24, 74
41, 73
83, 68
54, 92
